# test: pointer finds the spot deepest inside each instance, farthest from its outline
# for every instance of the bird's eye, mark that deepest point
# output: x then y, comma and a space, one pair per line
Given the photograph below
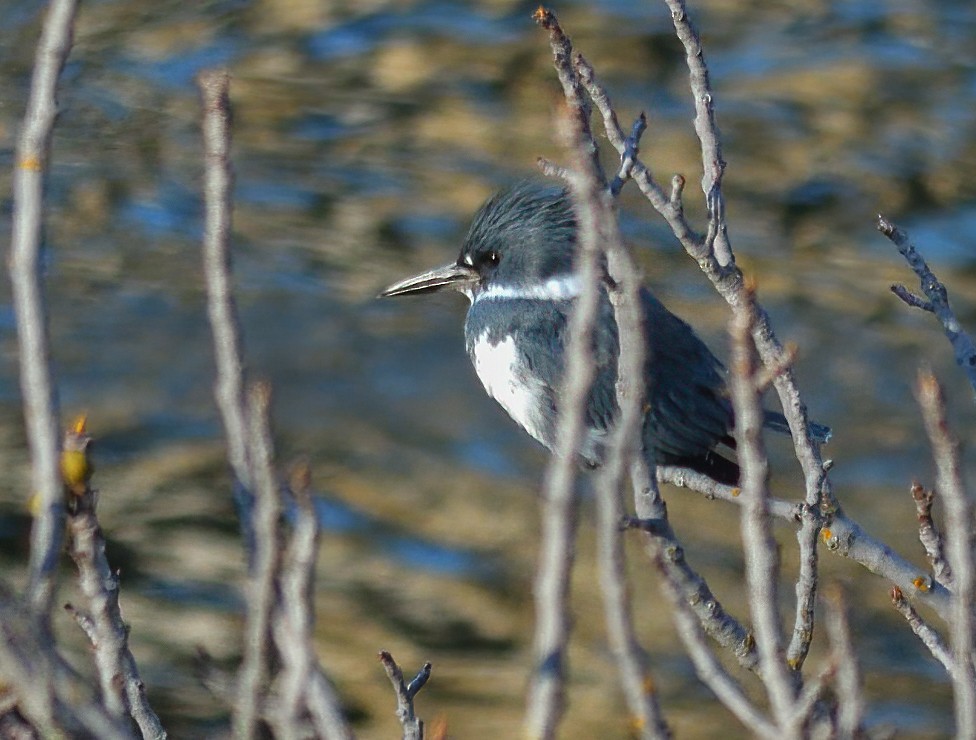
493, 258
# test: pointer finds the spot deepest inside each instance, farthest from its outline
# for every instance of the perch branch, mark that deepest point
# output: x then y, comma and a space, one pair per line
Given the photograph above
123, 691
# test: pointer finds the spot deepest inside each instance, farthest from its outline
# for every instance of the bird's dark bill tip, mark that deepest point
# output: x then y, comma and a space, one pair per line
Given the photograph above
454, 275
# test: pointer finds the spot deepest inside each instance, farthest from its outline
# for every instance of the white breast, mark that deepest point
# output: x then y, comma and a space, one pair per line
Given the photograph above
508, 381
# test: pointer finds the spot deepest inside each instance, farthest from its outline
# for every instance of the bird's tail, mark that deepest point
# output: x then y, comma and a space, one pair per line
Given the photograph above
777, 422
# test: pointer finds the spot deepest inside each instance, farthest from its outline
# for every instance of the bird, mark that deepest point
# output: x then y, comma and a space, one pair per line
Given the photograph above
516, 267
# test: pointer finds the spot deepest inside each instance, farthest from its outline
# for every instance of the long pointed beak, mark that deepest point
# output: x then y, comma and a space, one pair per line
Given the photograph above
453, 275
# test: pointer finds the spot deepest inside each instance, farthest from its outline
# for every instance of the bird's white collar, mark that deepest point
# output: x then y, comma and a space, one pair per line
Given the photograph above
558, 288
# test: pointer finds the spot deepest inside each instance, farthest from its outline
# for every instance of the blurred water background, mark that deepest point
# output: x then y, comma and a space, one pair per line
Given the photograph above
365, 134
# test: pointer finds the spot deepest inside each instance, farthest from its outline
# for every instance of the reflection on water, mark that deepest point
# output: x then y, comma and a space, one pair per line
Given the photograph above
409, 551
364, 136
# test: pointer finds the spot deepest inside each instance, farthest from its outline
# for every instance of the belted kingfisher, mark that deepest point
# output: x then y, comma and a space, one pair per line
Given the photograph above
516, 268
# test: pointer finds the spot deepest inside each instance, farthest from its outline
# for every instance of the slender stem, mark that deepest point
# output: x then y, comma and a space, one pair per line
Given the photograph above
254, 672
413, 727
224, 324
850, 705
123, 691
761, 557
923, 630
962, 343
959, 548
36, 379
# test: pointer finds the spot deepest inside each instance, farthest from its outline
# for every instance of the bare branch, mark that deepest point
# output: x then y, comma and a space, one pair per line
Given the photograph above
224, 324
413, 727
551, 169
850, 709
707, 666
28, 660
261, 595
301, 680
923, 630
938, 299
36, 378
929, 534
761, 558
713, 254
846, 537
668, 206
911, 299
668, 555
598, 225
629, 158
959, 548
728, 280
546, 693
123, 691
712, 163
710, 489
579, 107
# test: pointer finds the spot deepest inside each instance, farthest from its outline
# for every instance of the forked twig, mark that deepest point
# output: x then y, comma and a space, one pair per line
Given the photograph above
937, 298
413, 726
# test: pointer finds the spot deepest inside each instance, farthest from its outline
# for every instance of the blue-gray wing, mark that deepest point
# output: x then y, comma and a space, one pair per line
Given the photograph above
690, 411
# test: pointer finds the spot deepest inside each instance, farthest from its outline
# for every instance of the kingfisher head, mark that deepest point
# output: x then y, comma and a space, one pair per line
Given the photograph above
521, 243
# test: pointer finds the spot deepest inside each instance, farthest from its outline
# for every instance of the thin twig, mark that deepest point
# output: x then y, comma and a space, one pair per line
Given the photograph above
27, 658
224, 324
300, 681
728, 281
579, 107
546, 692
707, 666
761, 557
843, 537
850, 707
123, 691
598, 224
910, 299
959, 548
923, 630
649, 505
261, 597
717, 239
629, 157
938, 299
325, 707
36, 378
551, 169
716, 258
669, 206
668, 555
413, 726
713, 254
846, 537
710, 489
929, 534
809, 699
